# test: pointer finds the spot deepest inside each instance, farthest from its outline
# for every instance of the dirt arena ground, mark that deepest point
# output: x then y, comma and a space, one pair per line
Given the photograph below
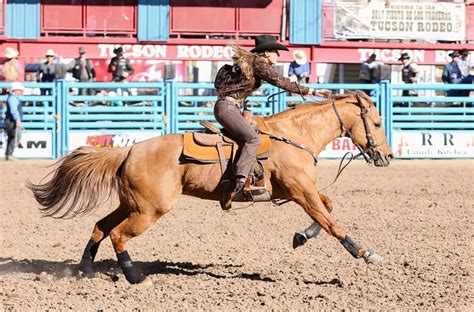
417, 214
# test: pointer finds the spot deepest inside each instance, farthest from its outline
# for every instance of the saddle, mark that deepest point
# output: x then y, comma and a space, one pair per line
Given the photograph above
214, 146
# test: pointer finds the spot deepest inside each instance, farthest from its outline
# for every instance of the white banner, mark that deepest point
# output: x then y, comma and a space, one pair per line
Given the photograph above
401, 20
32, 145
107, 139
433, 144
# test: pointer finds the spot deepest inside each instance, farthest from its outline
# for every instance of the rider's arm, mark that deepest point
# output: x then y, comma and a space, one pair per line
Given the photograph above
265, 71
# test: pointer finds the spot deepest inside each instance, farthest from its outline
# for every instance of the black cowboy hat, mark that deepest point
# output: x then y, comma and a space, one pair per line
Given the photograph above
118, 50
267, 42
464, 52
454, 54
404, 56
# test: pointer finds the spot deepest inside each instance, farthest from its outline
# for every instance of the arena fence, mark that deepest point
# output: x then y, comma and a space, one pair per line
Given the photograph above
70, 114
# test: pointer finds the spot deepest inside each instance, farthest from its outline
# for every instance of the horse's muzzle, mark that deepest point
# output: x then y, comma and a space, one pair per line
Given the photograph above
381, 161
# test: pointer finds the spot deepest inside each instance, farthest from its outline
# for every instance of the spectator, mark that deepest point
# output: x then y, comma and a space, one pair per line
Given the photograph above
452, 73
367, 71
13, 118
120, 66
82, 70
410, 73
13, 70
463, 63
464, 66
48, 71
299, 69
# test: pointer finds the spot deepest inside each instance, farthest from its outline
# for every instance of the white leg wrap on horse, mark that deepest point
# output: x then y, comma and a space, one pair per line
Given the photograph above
313, 230
371, 257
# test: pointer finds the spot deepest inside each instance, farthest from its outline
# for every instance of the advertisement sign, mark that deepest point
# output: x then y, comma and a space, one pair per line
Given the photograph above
108, 139
408, 20
32, 145
433, 144
338, 147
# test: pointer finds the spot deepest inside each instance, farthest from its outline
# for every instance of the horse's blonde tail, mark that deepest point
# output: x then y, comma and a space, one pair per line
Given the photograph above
83, 180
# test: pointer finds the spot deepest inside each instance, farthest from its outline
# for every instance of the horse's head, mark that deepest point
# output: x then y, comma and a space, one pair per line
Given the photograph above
367, 133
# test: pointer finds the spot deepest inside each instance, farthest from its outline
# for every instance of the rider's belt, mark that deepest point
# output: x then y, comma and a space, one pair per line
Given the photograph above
237, 102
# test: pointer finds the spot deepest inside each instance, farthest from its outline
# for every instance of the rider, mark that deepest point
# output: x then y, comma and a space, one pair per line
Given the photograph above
234, 83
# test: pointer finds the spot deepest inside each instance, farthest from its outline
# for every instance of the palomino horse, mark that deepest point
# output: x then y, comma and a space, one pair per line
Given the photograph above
150, 176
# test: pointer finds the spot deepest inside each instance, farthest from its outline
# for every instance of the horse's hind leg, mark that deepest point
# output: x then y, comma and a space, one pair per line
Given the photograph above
135, 224
301, 237
101, 230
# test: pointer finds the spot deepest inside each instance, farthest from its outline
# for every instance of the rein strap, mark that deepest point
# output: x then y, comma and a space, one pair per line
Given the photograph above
288, 141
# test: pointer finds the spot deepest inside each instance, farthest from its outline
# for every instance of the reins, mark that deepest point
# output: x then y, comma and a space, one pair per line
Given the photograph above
369, 154
290, 142
283, 91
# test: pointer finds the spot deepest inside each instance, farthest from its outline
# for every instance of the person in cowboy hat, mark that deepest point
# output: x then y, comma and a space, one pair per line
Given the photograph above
13, 117
464, 66
82, 70
234, 83
410, 73
13, 69
120, 66
299, 69
452, 73
463, 63
48, 71
368, 71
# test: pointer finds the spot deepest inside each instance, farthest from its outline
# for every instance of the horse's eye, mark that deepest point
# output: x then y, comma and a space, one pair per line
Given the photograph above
377, 124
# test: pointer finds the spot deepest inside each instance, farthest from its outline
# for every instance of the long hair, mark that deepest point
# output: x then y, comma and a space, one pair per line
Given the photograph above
244, 60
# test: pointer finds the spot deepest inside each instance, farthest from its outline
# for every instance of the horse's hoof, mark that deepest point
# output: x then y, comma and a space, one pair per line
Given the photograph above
86, 272
371, 257
147, 282
299, 239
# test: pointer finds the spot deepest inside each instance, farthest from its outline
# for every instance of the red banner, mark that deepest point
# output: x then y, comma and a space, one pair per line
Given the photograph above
337, 53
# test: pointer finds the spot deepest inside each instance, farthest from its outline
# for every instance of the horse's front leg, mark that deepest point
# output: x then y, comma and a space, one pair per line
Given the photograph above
301, 237
314, 207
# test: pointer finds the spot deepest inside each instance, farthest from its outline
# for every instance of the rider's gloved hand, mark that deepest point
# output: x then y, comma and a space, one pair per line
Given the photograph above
322, 93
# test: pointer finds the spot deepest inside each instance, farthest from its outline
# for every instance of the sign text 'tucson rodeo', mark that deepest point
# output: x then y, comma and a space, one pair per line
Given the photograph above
156, 51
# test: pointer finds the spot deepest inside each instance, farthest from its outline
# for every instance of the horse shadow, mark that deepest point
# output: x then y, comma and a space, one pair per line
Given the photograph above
70, 268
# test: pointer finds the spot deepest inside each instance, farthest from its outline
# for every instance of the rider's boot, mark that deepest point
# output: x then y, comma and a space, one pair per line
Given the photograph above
239, 184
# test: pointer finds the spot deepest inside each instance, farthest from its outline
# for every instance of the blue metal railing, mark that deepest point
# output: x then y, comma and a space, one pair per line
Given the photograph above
175, 107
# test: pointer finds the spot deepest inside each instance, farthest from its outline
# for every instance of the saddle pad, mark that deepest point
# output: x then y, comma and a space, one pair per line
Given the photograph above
193, 150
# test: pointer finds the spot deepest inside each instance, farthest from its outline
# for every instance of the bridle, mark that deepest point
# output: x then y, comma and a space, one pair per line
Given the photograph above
370, 153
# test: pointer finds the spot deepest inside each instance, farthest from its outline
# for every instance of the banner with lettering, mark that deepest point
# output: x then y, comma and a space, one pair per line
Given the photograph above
433, 144
409, 20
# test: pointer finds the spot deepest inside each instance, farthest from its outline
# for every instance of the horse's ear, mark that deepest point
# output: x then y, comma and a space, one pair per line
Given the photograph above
363, 100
